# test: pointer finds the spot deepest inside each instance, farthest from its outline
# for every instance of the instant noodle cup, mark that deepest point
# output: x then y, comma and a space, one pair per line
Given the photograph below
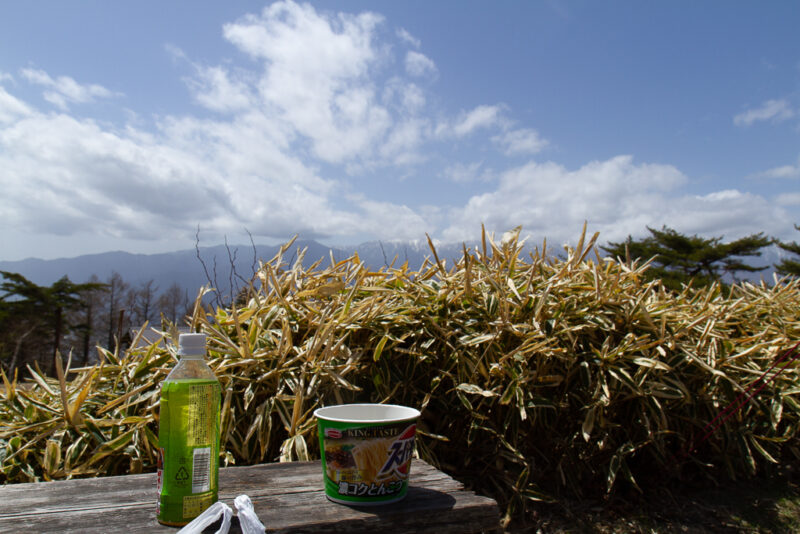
366, 451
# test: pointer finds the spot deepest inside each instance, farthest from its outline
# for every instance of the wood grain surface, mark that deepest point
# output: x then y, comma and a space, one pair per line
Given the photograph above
287, 497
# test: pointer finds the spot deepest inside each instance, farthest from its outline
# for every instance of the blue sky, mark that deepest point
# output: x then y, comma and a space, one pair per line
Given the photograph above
124, 126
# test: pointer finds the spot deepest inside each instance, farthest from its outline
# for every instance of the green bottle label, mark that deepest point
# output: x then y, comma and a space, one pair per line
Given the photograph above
188, 437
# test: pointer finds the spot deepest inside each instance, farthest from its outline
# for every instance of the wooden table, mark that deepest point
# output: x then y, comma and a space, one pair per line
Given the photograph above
287, 497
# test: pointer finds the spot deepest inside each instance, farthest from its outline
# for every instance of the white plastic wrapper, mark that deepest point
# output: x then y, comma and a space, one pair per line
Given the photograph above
248, 520
208, 517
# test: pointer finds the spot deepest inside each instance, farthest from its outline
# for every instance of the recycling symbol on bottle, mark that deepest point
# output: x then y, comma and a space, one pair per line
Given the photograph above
181, 475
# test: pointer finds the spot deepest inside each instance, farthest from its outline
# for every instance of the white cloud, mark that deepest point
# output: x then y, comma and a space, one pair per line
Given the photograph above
616, 196
788, 199
729, 213
319, 101
413, 98
464, 172
311, 97
64, 90
407, 96
483, 116
67, 175
402, 145
11, 108
521, 141
784, 171
493, 117
317, 75
418, 64
391, 221
215, 89
405, 36
774, 110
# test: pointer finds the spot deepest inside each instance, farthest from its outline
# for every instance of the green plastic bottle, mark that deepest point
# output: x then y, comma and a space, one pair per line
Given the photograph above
188, 436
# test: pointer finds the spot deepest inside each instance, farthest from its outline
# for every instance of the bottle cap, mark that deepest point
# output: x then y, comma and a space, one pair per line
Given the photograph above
192, 345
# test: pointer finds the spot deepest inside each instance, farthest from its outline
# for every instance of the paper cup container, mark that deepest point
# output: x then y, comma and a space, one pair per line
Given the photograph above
366, 451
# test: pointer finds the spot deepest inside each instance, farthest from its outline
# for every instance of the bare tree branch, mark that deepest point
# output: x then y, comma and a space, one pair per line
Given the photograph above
211, 281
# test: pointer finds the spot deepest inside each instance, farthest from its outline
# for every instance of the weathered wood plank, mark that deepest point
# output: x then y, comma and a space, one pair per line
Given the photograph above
423, 510
287, 497
287, 478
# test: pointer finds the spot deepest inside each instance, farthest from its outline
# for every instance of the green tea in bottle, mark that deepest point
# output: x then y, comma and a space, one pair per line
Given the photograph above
188, 435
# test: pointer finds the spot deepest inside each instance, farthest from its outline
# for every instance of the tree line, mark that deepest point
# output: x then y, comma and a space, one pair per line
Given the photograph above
37, 322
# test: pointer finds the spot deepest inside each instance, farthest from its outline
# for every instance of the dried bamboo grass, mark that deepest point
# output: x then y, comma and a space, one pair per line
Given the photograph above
535, 375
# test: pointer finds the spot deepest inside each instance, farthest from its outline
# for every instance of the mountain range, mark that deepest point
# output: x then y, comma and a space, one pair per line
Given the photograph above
192, 268
218, 265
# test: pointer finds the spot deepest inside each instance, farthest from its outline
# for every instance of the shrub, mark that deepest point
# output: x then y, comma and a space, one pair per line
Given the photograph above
537, 376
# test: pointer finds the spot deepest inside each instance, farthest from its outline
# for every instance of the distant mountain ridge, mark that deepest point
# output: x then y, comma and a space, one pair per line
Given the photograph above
187, 271
184, 268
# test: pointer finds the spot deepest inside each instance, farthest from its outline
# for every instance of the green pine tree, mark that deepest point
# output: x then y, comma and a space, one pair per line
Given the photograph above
789, 266
679, 259
34, 320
